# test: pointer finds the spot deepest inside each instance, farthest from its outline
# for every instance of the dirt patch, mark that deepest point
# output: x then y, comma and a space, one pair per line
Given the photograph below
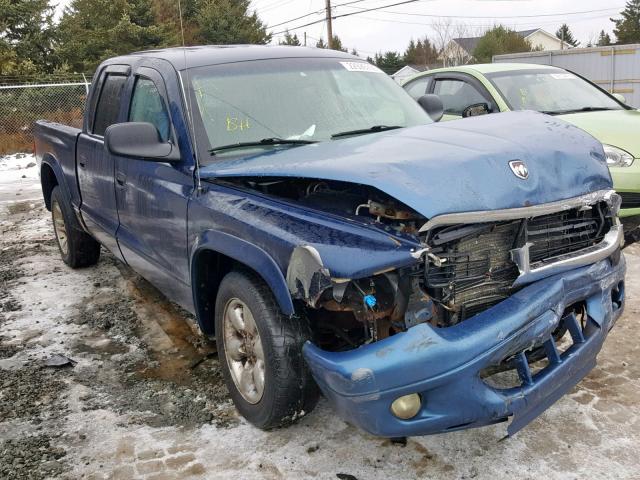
112, 313
10, 270
6, 350
153, 366
32, 393
200, 399
31, 458
17, 208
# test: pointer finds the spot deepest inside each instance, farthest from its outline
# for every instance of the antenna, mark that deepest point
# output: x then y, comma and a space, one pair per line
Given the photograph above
189, 102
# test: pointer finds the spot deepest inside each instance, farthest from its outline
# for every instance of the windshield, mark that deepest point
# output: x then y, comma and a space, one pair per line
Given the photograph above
555, 91
308, 99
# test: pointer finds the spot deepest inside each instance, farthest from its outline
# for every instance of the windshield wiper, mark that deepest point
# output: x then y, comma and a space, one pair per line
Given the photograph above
261, 143
375, 128
576, 110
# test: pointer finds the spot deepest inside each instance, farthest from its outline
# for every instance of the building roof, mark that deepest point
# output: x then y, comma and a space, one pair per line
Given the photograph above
411, 69
469, 44
218, 54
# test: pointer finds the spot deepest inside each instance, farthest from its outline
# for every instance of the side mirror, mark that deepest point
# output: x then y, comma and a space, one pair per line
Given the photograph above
432, 104
620, 97
476, 110
139, 140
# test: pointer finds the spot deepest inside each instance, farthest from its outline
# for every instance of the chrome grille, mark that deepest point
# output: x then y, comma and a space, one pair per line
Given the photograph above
564, 232
476, 268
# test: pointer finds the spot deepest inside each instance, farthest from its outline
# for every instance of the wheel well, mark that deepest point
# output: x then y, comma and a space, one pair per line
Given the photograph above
210, 267
49, 181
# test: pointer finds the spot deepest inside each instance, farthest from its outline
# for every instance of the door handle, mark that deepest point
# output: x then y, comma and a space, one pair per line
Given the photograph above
121, 178
82, 164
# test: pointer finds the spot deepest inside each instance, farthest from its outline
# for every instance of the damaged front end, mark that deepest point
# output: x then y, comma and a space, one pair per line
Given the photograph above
413, 349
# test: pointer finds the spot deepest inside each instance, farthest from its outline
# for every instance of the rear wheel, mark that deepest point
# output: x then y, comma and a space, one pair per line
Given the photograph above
260, 351
77, 248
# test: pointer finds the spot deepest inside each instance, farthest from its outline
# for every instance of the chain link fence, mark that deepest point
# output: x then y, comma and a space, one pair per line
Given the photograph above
23, 100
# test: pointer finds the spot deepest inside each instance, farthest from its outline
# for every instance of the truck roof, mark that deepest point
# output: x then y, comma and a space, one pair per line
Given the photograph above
218, 54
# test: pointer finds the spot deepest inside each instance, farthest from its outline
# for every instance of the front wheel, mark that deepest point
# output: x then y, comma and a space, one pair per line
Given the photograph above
260, 351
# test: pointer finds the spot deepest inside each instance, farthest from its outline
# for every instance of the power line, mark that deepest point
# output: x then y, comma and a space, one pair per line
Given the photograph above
274, 5
493, 17
314, 13
348, 15
477, 25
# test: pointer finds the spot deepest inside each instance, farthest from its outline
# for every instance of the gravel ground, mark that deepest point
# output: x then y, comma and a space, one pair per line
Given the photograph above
143, 396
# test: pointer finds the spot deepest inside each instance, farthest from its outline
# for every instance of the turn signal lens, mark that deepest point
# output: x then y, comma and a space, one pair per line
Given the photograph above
407, 406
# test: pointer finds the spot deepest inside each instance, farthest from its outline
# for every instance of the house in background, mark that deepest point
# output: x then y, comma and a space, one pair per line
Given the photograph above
408, 71
459, 51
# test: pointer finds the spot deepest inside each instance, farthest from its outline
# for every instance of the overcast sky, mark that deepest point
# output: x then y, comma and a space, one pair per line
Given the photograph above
392, 28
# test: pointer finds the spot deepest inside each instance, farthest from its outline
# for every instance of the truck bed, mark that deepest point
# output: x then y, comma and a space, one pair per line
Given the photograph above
56, 143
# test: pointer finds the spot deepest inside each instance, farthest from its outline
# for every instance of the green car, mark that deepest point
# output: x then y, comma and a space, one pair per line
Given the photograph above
501, 87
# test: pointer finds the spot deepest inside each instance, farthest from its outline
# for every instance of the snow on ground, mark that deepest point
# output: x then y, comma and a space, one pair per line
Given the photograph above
146, 400
19, 179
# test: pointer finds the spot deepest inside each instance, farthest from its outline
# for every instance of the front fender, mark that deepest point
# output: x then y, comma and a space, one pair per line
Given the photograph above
247, 254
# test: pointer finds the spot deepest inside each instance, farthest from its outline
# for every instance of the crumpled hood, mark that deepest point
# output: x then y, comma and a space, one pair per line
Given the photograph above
449, 167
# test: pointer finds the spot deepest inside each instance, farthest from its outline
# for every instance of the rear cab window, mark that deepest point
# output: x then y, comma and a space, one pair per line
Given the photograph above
147, 105
108, 106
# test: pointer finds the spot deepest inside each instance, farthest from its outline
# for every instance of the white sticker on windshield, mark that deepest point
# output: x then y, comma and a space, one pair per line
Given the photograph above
361, 67
562, 76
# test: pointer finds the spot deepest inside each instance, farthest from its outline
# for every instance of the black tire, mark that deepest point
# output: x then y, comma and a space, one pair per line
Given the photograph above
289, 388
81, 249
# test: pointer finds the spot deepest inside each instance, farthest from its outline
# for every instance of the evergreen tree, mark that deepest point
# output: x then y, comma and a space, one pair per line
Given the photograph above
604, 39
420, 53
627, 28
93, 30
290, 39
389, 62
224, 22
27, 37
500, 40
564, 33
336, 44
354, 52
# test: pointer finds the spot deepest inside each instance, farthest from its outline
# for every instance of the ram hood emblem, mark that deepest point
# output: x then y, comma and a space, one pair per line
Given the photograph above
519, 169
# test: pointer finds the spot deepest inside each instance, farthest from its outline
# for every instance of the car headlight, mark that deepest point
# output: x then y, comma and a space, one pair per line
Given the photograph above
616, 157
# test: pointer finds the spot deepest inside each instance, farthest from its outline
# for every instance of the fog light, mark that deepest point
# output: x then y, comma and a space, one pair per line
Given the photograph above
407, 406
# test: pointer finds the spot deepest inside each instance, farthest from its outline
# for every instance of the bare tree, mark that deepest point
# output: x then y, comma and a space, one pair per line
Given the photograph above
446, 30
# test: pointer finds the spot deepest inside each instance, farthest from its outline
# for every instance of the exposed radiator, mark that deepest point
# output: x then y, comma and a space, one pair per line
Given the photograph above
477, 270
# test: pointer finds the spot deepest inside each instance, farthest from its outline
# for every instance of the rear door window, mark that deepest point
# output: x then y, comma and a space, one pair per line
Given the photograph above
108, 105
456, 95
148, 106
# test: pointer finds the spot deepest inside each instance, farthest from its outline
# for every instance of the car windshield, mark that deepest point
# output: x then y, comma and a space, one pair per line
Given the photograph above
554, 92
294, 101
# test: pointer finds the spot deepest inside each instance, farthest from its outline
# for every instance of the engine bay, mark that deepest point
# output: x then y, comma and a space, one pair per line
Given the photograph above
341, 198
464, 268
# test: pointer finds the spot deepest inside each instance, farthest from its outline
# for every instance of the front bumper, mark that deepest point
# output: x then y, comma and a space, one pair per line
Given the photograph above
443, 365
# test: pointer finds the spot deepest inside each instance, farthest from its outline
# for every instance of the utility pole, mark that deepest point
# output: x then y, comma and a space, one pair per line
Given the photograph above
329, 26
305, 39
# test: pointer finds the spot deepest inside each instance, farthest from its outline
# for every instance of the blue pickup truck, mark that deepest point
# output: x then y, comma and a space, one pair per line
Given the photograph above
332, 237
